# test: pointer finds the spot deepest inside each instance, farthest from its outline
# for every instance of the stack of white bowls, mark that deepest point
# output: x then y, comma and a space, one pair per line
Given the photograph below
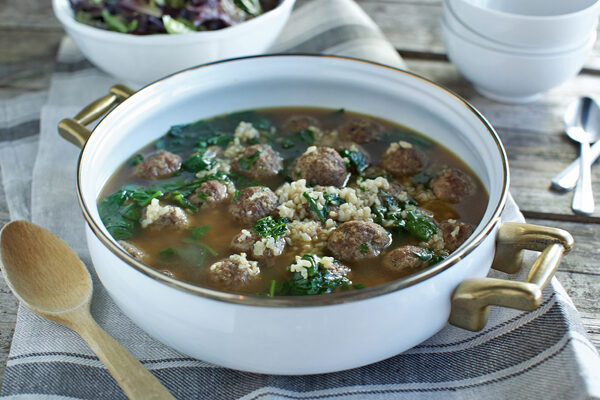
514, 50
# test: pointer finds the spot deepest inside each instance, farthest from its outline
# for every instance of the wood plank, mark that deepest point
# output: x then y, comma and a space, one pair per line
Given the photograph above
28, 15
27, 60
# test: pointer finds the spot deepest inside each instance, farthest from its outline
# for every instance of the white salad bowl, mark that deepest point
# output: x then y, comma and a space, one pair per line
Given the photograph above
345, 330
144, 59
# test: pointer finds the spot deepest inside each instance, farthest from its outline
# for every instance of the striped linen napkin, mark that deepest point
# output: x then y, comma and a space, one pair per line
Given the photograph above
539, 354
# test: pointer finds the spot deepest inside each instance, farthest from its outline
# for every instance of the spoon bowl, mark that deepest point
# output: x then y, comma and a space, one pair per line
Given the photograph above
582, 120
48, 277
582, 123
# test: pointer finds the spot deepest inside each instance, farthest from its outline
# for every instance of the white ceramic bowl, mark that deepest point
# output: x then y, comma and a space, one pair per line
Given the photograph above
455, 24
508, 76
557, 24
268, 335
144, 59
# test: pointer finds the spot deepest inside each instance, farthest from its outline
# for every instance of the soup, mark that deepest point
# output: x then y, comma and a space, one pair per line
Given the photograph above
292, 201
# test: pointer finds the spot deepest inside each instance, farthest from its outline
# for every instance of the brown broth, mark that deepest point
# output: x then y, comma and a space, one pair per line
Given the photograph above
223, 228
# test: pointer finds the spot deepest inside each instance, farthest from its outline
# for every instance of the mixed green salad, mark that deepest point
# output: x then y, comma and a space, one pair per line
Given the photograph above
145, 17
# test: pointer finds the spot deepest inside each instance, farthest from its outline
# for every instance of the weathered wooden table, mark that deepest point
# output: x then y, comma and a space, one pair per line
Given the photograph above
533, 134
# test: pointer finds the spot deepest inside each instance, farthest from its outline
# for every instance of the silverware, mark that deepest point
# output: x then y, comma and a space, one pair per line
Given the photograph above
566, 179
582, 122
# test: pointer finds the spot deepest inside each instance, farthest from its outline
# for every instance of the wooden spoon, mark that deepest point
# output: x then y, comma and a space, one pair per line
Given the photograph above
46, 275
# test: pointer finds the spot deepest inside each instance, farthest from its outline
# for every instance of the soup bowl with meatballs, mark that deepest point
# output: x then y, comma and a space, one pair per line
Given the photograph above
298, 214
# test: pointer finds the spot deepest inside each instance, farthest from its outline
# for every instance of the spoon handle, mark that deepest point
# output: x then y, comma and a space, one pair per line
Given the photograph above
583, 198
567, 178
135, 380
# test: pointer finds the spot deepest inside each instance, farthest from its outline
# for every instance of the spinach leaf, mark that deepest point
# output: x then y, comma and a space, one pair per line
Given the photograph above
241, 182
194, 240
119, 218
287, 143
429, 255
167, 253
182, 201
273, 288
420, 226
398, 220
358, 162
332, 199
192, 254
321, 212
319, 281
120, 211
304, 137
378, 213
198, 162
218, 140
307, 136
390, 202
270, 227
201, 231
135, 160
202, 133
143, 196
364, 248
422, 178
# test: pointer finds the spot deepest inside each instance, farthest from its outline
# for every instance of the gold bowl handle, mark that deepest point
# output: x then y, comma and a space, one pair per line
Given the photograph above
472, 298
74, 130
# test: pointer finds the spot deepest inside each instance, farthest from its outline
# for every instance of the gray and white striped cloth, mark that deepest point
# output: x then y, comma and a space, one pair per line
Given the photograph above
519, 355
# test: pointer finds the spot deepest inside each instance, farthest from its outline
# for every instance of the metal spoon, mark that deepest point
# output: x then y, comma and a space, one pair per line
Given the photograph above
582, 122
46, 275
566, 179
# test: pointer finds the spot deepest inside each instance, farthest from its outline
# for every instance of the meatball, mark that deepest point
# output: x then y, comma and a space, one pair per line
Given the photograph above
355, 240
159, 165
320, 166
132, 250
404, 258
244, 241
296, 123
234, 271
452, 185
159, 216
253, 244
455, 233
210, 193
252, 204
360, 130
403, 159
258, 162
